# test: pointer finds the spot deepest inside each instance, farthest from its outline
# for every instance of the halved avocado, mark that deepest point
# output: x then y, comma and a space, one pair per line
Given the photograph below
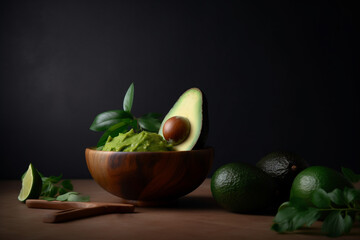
192, 105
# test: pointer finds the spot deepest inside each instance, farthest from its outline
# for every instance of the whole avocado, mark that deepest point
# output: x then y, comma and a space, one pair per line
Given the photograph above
283, 167
242, 188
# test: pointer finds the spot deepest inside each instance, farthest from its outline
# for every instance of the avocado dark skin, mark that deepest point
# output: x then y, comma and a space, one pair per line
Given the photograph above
282, 167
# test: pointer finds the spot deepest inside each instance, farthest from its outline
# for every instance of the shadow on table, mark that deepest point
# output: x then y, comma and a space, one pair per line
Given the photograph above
193, 202
207, 202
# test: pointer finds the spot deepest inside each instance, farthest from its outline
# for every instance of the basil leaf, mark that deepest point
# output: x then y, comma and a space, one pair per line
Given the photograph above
334, 224
106, 119
307, 217
64, 197
285, 214
128, 99
78, 198
348, 224
149, 124
350, 194
46, 190
336, 196
67, 184
62, 191
54, 191
280, 227
284, 219
54, 179
114, 130
320, 199
350, 175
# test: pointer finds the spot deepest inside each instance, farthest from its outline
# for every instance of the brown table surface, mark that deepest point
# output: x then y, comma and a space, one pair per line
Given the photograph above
195, 216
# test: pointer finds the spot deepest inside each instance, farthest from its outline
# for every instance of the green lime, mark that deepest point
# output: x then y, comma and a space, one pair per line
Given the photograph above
315, 177
240, 187
31, 184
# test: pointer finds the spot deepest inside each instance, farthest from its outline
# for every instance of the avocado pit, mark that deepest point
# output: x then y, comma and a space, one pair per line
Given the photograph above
176, 129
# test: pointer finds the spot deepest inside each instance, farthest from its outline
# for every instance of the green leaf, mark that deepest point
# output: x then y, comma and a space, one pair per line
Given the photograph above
348, 224
54, 179
284, 219
334, 224
54, 191
149, 124
78, 198
67, 185
64, 197
285, 214
128, 99
320, 198
337, 197
307, 217
280, 227
350, 194
114, 130
73, 197
350, 175
62, 191
46, 190
104, 120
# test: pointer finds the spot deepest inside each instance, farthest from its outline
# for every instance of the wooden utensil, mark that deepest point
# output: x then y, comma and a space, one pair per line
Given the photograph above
77, 210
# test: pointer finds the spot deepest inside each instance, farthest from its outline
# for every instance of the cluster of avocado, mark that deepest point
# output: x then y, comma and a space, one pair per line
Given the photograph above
186, 124
244, 188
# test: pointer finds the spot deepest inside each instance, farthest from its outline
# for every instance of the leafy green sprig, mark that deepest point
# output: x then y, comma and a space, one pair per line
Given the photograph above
56, 188
54, 185
114, 122
339, 209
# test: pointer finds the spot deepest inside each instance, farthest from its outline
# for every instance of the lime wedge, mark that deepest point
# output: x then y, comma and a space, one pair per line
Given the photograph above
31, 184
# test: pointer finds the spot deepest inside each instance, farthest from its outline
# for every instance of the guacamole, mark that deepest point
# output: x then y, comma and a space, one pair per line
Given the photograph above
137, 142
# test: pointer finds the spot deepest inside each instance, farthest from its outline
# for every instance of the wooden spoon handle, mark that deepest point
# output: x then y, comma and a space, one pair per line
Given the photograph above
72, 214
37, 203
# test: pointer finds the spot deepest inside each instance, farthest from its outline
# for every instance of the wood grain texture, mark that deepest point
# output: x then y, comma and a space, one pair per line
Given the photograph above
149, 178
38, 203
195, 216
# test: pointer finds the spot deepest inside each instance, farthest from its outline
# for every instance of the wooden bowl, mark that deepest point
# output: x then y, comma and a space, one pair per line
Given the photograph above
149, 178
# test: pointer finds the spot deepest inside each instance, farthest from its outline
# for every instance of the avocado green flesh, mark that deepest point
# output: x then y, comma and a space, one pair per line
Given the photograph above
190, 106
137, 142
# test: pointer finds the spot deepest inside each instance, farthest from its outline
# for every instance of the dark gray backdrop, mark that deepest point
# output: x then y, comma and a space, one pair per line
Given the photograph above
277, 75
